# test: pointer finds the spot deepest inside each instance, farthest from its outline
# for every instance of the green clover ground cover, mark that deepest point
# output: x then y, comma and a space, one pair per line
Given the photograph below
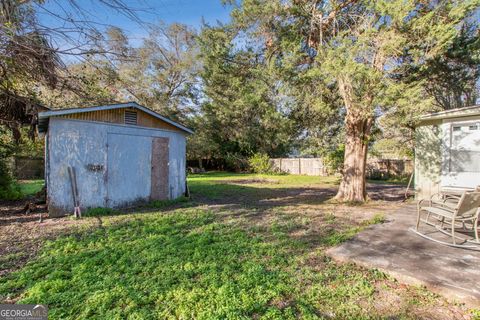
195, 263
186, 265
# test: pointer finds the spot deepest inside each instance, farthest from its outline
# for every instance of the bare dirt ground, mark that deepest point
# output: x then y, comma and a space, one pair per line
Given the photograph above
21, 235
307, 211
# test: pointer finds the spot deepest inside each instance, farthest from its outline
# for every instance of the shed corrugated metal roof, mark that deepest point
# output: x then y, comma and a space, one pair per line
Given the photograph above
43, 117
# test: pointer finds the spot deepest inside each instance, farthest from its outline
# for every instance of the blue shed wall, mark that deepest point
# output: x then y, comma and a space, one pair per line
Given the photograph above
81, 143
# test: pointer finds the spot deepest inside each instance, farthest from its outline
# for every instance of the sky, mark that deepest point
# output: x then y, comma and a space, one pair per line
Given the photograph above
190, 12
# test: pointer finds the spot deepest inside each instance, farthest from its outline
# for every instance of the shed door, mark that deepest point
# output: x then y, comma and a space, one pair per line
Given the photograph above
160, 153
129, 169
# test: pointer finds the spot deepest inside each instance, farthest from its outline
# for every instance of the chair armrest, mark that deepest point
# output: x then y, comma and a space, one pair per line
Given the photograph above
429, 200
437, 195
423, 203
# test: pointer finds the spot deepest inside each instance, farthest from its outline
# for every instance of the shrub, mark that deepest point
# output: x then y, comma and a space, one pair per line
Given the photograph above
260, 163
9, 190
334, 159
234, 162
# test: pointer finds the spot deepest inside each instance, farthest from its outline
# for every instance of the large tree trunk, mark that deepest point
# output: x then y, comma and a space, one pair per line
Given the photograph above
352, 187
358, 124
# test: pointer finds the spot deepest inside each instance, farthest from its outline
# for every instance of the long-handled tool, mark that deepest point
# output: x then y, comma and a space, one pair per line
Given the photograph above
76, 203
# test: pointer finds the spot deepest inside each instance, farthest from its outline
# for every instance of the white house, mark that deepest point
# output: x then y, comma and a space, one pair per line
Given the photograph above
447, 151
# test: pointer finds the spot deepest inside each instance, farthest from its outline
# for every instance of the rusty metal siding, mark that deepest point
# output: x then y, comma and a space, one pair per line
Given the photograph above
118, 116
85, 146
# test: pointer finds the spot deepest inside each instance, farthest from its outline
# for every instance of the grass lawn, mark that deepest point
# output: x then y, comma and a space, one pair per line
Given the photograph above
30, 187
245, 246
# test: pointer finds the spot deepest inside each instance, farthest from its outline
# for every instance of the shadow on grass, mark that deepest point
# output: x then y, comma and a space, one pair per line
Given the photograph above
187, 265
256, 261
237, 194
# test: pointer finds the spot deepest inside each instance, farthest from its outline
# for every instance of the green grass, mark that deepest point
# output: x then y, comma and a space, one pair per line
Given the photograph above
199, 263
160, 204
185, 265
30, 187
100, 211
281, 180
217, 185
337, 237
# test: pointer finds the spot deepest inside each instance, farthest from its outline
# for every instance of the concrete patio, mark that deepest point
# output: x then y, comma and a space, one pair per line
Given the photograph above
390, 247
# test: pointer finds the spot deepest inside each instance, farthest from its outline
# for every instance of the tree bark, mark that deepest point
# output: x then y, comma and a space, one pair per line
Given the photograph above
353, 186
358, 124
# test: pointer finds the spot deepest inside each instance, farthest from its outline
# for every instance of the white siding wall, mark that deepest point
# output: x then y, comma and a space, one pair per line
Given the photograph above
433, 167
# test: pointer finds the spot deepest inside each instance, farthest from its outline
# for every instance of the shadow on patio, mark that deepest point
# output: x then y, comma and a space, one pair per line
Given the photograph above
393, 249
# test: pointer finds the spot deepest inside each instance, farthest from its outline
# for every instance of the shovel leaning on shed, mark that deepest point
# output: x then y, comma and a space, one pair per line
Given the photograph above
73, 182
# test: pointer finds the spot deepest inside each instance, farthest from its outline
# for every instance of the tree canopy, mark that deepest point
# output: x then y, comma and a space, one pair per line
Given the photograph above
315, 77
363, 51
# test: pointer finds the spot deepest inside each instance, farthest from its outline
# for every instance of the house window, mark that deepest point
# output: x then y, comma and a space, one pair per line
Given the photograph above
465, 148
131, 117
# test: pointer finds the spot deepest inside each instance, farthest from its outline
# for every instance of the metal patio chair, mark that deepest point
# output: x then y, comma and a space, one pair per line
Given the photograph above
445, 215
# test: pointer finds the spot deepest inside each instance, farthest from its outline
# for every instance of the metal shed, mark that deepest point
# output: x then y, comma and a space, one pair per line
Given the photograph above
447, 151
122, 154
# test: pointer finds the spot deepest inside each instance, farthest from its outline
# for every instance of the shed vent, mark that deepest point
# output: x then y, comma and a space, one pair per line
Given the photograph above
130, 117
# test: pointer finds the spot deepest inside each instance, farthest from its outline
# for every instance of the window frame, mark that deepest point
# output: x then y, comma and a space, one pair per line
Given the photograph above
460, 125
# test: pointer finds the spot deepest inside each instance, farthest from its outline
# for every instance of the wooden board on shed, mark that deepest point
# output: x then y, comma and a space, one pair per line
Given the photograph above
160, 170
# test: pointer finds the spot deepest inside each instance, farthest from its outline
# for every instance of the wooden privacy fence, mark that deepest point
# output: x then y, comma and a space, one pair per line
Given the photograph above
306, 166
28, 168
388, 168
376, 168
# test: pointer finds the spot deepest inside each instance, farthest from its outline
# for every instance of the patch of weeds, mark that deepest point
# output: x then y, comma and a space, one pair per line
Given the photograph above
377, 218
10, 192
379, 275
159, 204
10, 260
336, 237
330, 217
100, 211
475, 314
183, 266
230, 263
421, 296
